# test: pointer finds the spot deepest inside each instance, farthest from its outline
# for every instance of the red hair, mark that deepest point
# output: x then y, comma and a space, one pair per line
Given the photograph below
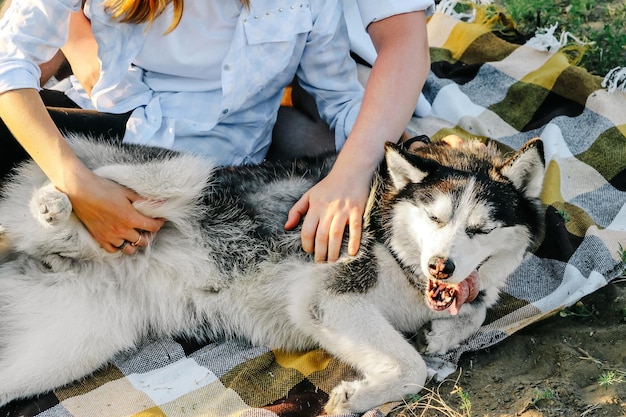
142, 11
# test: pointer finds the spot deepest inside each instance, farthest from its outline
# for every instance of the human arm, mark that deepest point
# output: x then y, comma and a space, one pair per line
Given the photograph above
104, 207
80, 50
391, 93
25, 43
51, 68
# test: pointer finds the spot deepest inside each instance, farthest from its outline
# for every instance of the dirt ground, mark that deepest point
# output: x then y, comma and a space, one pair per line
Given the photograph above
552, 368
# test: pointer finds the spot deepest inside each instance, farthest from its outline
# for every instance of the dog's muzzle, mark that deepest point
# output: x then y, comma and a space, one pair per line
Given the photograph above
442, 296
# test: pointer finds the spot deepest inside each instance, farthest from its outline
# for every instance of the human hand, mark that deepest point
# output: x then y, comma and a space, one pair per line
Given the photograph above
327, 208
106, 209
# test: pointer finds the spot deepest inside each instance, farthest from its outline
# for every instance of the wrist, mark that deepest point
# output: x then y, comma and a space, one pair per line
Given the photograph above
354, 168
71, 175
361, 152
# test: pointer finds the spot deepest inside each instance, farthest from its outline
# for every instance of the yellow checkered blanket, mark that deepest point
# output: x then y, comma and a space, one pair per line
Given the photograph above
480, 86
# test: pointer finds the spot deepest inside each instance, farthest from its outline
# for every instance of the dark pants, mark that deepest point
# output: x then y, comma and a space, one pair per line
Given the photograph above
299, 130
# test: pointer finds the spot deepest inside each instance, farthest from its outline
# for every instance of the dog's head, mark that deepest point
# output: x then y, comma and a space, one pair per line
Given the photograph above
461, 219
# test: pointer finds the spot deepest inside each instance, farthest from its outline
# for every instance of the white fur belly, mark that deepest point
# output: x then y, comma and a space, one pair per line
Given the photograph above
266, 307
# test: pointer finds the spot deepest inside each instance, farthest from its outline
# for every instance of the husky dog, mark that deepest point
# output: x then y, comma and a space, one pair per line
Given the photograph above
443, 229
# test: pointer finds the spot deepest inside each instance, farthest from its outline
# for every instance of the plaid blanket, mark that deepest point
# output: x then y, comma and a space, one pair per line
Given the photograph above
484, 87
481, 86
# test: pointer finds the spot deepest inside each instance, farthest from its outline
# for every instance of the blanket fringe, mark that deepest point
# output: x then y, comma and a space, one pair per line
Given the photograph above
474, 13
545, 39
449, 7
573, 47
483, 12
615, 80
490, 15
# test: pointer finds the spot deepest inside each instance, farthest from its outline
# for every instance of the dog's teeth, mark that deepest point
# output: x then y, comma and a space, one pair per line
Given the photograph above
441, 295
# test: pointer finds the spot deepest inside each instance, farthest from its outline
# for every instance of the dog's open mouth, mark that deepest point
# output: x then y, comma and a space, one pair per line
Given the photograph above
451, 297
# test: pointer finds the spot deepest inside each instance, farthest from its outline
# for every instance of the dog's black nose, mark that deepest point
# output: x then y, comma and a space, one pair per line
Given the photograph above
440, 268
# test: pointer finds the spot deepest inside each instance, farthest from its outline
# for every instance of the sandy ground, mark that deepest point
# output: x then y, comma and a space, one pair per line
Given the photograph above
552, 368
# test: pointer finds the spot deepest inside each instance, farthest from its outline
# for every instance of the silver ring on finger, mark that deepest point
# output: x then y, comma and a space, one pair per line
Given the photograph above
136, 242
122, 246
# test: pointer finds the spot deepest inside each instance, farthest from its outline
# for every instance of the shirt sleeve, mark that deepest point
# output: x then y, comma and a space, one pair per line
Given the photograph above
31, 32
373, 10
327, 71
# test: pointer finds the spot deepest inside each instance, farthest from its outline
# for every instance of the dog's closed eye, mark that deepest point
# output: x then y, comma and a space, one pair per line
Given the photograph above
436, 219
482, 229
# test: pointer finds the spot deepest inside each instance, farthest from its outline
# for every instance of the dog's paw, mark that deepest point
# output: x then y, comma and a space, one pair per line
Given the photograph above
444, 335
440, 342
342, 398
449, 333
50, 206
363, 395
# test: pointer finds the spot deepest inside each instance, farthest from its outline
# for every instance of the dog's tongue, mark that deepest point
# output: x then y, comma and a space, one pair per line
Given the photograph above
466, 292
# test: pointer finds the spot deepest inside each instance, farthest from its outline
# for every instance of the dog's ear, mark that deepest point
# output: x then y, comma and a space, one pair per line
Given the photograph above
525, 169
404, 167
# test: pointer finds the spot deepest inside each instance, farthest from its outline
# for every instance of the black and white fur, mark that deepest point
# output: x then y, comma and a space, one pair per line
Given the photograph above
223, 266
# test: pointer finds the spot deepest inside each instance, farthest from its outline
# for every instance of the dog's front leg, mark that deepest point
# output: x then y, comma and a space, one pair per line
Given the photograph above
357, 333
449, 332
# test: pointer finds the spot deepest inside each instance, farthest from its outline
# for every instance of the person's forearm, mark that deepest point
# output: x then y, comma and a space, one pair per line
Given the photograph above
28, 120
394, 85
51, 68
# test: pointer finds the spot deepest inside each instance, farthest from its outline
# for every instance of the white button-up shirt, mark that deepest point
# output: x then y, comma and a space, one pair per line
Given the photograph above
272, 41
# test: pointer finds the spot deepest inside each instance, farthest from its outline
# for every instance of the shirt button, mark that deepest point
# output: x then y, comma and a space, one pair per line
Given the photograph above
225, 111
226, 67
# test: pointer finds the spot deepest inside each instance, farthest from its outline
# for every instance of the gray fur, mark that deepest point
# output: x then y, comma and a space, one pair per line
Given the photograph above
222, 265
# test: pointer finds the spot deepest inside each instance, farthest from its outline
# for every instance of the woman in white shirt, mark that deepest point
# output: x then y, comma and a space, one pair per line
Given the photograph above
208, 80
398, 31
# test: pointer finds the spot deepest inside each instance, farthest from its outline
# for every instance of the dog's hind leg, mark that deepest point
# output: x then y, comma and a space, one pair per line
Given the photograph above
181, 178
41, 358
358, 334
48, 337
50, 206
